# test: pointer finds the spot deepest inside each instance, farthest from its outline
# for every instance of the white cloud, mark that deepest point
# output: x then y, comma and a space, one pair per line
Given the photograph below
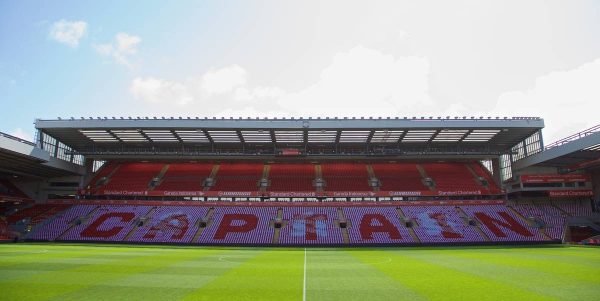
223, 80
569, 101
122, 49
212, 93
20, 133
358, 82
364, 81
67, 32
156, 90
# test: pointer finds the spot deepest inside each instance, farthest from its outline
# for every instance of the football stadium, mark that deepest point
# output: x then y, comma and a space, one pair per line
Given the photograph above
299, 209
339, 150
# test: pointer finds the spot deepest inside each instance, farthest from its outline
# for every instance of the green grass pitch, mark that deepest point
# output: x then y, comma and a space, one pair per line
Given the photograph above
126, 272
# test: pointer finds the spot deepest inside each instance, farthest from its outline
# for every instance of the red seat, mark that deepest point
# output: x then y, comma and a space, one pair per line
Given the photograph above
345, 177
291, 177
398, 177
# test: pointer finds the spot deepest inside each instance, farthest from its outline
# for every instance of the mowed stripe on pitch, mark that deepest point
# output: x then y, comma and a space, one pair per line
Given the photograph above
72, 283
171, 280
334, 274
546, 276
437, 282
274, 274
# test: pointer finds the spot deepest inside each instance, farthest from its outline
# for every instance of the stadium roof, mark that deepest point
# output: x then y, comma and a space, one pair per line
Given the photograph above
578, 151
19, 157
101, 135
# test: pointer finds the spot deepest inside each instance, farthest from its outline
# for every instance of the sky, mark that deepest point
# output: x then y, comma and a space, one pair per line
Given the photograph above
300, 59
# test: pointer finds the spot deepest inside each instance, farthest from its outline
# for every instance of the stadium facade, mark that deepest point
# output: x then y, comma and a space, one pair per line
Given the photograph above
300, 181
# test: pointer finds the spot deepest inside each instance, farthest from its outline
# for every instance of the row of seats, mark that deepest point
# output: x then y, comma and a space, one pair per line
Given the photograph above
133, 176
182, 177
451, 176
35, 213
291, 177
294, 225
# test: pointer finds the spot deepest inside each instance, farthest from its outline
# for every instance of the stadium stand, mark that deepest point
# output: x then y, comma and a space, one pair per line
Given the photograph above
170, 224
64, 221
291, 177
345, 177
485, 174
312, 181
305, 225
179, 178
398, 176
133, 177
108, 223
101, 176
310, 225
238, 177
36, 213
500, 224
185, 177
574, 208
441, 224
376, 225
451, 176
245, 225
548, 217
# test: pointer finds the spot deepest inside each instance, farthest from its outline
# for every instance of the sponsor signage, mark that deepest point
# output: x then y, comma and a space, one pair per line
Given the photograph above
460, 192
569, 193
279, 204
555, 178
306, 194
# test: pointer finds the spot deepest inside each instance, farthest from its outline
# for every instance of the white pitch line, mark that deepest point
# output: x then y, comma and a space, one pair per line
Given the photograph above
304, 284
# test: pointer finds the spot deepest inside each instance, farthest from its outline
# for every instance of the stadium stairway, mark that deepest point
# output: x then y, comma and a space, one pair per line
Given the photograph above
410, 229
53, 211
466, 219
208, 219
318, 175
476, 178
74, 224
528, 222
424, 176
159, 177
342, 217
371, 174
42, 224
95, 181
542, 230
562, 210
277, 230
145, 218
520, 216
213, 175
265, 175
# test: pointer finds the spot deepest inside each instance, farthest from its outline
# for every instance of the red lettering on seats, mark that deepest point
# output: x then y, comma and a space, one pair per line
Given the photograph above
447, 231
93, 231
508, 223
311, 225
178, 223
227, 226
367, 228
